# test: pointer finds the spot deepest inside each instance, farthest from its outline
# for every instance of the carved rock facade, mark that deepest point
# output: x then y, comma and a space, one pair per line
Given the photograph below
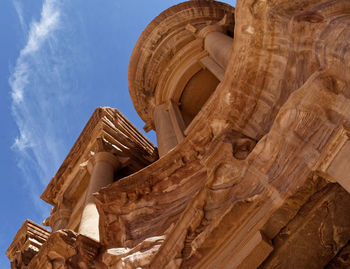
251, 108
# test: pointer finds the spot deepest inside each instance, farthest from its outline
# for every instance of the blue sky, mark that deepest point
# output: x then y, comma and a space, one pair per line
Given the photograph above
59, 60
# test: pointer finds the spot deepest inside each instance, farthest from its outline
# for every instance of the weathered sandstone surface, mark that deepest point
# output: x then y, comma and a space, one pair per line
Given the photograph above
254, 174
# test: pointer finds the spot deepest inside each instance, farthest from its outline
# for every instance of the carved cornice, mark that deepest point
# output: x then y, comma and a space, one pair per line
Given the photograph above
67, 249
26, 244
107, 130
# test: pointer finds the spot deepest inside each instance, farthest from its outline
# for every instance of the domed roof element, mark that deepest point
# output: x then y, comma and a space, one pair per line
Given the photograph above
163, 38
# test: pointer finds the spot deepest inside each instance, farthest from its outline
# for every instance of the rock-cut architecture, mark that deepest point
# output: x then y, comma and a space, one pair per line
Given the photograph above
251, 107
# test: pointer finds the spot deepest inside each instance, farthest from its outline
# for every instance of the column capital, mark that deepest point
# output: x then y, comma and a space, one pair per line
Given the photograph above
220, 26
105, 157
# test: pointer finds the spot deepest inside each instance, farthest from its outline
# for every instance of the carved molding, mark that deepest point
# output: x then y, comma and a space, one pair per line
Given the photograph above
26, 244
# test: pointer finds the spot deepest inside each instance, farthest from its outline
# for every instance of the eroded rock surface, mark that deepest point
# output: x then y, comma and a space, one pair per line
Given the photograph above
256, 176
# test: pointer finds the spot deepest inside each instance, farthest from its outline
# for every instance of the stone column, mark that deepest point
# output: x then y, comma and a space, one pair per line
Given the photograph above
101, 167
177, 121
219, 47
166, 136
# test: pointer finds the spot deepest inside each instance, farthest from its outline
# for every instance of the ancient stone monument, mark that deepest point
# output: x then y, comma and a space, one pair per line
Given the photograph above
251, 107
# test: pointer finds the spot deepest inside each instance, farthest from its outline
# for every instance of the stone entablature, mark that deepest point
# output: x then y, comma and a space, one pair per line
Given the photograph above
106, 131
26, 244
67, 249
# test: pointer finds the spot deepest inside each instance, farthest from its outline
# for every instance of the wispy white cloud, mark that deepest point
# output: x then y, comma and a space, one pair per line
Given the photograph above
34, 83
19, 10
39, 33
